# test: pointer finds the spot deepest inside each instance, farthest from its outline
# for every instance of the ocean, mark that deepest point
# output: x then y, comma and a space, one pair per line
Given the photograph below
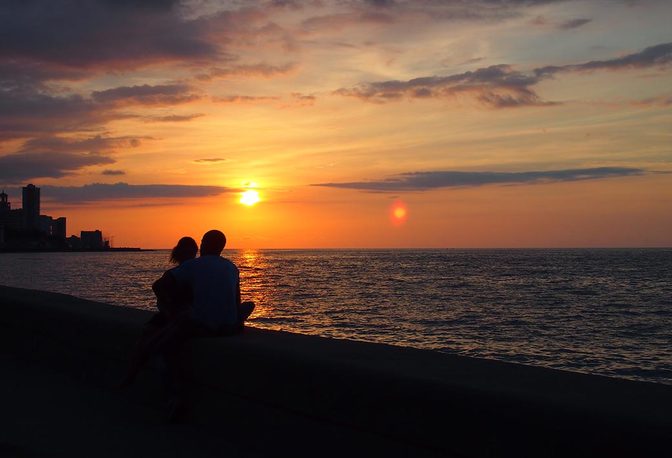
598, 311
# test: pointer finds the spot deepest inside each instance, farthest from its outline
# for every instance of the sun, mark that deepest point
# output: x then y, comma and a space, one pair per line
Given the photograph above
249, 197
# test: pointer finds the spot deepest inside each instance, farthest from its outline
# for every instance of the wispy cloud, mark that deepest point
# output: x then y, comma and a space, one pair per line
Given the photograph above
113, 172
424, 181
542, 21
261, 70
500, 86
210, 160
654, 56
174, 118
96, 192
574, 23
81, 144
497, 86
165, 94
244, 99
19, 167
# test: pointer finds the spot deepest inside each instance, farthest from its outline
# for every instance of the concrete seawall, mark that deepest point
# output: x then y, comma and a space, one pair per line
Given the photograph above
355, 395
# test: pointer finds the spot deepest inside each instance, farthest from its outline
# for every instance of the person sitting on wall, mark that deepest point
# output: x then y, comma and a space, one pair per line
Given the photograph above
171, 301
216, 310
215, 285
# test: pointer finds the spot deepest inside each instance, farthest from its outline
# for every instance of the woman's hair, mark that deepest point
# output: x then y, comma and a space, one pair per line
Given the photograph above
185, 250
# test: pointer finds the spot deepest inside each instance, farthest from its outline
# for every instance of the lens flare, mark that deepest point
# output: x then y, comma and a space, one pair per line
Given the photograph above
398, 212
249, 197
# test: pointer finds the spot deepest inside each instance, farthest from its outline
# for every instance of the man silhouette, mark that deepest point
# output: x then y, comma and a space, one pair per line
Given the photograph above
215, 285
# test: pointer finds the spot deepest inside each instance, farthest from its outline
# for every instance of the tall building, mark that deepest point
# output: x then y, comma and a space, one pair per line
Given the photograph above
31, 207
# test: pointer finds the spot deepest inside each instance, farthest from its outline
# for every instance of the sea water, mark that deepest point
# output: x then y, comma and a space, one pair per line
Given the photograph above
600, 311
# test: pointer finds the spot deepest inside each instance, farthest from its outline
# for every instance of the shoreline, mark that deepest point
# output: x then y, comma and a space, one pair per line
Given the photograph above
436, 403
102, 250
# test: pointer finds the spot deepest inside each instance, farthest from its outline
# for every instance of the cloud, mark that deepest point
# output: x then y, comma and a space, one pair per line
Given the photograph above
55, 156
542, 21
424, 181
303, 99
339, 21
97, 143
18, 167
497, 86
243, 99
660, 101
210, 160
25, 112
500, 86
101, 34
654, 56
574, 23
174, 118
248, 70
96, 192
111, 172
31, 111
166, 94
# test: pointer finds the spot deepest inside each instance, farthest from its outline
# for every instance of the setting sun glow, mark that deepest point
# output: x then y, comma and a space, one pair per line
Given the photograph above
399, 213
249, 197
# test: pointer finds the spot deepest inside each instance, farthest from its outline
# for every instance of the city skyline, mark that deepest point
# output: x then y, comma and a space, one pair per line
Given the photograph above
349, 124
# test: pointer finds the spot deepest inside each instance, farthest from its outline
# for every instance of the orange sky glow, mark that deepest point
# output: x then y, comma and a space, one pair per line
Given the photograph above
357, 124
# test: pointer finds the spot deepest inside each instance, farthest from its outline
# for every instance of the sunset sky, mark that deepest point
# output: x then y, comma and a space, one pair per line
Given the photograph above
429, 123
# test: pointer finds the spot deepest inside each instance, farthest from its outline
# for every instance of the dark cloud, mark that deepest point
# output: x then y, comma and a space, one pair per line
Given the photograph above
101, 192
54, 156
166, 94
500, 86
112, 172
496, 86
97, 143
32, 111
102, 34
19, 167
26, 112
651, 57
424, 181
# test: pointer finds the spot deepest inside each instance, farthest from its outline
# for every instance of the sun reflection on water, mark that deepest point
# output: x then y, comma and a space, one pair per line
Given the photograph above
252, 265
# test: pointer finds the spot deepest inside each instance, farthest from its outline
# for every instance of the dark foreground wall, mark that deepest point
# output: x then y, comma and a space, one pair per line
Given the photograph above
421, 402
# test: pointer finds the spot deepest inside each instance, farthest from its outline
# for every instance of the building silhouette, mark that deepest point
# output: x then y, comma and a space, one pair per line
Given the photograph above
92, 240
31, 208
25, 228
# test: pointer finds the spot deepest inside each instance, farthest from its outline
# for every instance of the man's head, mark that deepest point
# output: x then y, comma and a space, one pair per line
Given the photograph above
213, 242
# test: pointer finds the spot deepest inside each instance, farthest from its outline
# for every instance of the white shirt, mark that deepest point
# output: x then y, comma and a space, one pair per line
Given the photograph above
214, 282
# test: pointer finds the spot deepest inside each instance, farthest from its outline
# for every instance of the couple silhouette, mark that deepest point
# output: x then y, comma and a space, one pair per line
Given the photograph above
199, 297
